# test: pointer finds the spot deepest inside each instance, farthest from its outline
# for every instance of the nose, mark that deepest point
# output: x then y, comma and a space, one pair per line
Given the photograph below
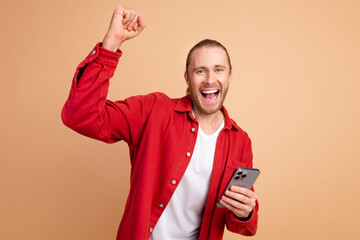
210, 77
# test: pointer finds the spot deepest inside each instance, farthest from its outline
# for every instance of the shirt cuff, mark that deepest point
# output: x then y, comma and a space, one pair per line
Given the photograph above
244, 219
105, 56
241, 220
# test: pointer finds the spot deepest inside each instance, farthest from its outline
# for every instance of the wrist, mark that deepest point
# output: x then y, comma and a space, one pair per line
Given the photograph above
244, 219
111, 43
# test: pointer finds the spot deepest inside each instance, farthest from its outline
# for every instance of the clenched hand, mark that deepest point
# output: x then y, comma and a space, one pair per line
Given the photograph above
125, 24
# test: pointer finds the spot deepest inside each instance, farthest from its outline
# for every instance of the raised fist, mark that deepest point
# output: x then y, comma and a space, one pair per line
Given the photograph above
125, 24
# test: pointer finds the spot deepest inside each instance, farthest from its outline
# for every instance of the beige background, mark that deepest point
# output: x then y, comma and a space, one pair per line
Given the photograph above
295, 91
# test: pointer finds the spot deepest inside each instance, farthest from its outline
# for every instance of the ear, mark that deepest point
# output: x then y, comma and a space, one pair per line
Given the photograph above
230, 76
186, 76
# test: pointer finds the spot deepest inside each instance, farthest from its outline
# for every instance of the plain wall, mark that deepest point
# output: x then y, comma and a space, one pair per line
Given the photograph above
295, 90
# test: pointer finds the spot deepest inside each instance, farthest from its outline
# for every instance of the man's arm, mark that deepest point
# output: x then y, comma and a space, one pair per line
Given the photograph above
242, 215
87, 110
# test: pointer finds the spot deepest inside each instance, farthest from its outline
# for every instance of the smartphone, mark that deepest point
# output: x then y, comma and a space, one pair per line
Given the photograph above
242, 177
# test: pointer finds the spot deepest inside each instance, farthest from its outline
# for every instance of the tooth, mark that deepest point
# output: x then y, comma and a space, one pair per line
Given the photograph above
210, 91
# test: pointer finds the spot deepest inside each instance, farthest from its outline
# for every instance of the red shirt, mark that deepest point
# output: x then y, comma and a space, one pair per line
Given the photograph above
161, 134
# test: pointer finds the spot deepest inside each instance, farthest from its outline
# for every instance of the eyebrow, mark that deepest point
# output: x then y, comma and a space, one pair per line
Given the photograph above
203, 67
222, 66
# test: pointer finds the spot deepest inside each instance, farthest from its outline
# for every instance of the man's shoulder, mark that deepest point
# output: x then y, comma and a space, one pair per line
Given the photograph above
154, 96
238, 131
161, 97
155, 99
231, 123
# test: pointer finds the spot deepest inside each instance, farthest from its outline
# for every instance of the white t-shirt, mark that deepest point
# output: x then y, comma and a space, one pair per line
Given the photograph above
182, 217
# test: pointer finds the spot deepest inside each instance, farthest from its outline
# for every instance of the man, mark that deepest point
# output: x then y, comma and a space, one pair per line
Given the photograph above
183, 151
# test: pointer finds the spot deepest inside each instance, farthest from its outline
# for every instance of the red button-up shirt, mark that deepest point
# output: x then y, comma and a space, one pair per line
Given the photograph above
160, 134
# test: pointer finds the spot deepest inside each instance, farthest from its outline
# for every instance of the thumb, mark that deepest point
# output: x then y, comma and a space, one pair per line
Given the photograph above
118, 15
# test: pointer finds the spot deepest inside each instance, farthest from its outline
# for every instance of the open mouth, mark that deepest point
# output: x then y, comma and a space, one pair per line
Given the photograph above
210, 94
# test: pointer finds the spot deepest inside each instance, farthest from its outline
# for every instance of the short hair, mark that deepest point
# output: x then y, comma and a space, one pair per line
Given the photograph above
205, 43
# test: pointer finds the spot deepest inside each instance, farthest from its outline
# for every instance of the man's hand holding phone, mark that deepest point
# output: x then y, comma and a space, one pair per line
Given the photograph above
238, 196
240, 200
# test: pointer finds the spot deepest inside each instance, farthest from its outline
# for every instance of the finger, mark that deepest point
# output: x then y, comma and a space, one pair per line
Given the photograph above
237, 196
136, 26
119, 10
228, 206
250, 202
141, 23
244, 191
235, 204
118, 15
133, 22
238, 212
128, 18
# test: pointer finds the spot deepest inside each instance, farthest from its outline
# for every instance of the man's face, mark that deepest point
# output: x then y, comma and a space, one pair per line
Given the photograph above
208, 78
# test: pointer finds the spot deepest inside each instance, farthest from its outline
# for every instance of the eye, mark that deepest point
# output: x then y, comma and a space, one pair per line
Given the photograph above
200, 71
219, 69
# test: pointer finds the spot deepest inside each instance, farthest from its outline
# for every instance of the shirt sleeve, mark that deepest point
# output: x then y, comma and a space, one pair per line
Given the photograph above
88, 112
249, 226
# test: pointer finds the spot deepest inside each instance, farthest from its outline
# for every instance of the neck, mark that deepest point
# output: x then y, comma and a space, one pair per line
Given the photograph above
209, 123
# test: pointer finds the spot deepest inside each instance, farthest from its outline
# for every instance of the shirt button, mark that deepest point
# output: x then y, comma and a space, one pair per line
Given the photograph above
161, 205
150, 230
193, 129
93, 52
173, 182
188, 154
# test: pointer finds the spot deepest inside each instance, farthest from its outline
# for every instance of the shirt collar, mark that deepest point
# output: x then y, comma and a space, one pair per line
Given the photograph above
184, 105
